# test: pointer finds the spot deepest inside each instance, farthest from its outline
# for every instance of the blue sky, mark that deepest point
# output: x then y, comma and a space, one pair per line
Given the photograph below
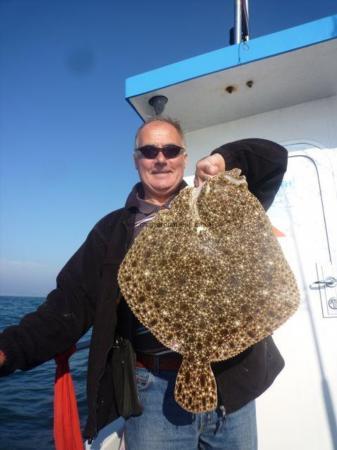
66, 131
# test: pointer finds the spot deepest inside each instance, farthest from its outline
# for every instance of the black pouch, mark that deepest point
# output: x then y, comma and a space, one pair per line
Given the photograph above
123, 363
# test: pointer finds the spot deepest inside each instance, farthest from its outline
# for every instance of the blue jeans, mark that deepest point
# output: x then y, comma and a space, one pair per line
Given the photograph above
164, 425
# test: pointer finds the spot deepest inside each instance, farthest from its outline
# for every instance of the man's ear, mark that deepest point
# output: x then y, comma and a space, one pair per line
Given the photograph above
185, 159
135, 159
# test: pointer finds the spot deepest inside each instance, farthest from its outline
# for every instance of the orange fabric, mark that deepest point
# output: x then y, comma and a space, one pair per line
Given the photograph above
277, 232
67, 430
2, 358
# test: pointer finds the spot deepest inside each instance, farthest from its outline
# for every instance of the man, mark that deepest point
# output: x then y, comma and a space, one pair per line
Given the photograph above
87, 294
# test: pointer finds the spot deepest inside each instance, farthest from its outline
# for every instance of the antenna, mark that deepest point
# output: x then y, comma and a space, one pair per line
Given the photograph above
241, 22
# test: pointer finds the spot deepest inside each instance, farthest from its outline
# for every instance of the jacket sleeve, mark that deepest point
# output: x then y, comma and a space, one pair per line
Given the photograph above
263, 163
64, 317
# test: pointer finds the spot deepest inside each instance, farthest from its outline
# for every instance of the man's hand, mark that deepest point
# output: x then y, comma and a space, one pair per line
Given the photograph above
208, 167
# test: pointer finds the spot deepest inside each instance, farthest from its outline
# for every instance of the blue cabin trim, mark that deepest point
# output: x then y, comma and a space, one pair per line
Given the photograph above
260, 48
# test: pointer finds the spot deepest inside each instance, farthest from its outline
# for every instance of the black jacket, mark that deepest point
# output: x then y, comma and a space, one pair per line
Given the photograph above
87, 289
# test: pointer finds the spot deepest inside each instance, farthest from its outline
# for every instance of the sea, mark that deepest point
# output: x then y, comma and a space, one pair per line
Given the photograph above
26, 398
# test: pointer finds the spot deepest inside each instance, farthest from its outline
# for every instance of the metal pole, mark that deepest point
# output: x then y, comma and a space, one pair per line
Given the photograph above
238, 21
245, 29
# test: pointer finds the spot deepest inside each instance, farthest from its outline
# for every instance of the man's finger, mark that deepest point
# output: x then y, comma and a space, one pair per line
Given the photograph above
208, 167
200, 178
197, 181
211, 169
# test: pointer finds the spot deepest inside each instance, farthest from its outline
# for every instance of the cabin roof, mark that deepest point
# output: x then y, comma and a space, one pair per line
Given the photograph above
285, 68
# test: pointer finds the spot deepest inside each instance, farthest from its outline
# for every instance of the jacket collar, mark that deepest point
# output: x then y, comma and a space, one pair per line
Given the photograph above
136, 203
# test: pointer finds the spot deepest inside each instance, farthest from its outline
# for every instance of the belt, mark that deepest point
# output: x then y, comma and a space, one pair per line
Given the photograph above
164, 362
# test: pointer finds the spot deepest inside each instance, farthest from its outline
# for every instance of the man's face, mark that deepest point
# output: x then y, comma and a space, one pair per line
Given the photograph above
160, 176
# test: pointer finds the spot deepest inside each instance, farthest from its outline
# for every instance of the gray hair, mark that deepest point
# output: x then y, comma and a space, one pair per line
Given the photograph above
175, 124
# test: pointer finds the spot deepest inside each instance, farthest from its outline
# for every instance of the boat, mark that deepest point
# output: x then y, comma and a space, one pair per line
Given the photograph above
282, 87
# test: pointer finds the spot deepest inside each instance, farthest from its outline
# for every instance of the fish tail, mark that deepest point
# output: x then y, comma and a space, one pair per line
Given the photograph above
195, 388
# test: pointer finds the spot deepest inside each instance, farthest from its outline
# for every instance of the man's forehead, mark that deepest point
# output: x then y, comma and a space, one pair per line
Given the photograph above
154, 127
159, 129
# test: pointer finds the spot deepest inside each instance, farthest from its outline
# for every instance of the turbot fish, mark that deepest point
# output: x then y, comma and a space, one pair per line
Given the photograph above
209, 279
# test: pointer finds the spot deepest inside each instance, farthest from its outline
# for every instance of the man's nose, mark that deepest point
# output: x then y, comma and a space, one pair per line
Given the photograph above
160, 158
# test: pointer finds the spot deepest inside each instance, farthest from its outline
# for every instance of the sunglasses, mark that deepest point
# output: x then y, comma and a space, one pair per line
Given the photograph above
169, 151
